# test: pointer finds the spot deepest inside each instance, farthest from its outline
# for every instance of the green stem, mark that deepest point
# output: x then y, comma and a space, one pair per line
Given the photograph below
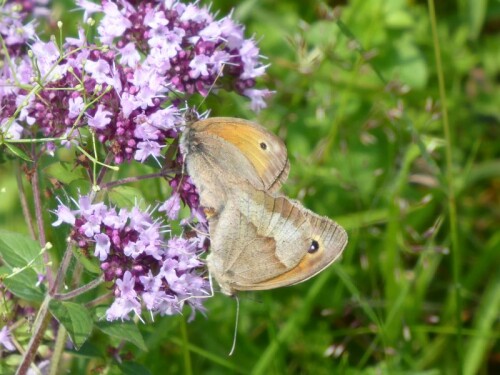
41, 322
63, 267
129, 180
42, 239
188, 370
99, 300
455, 243
58, 350
24, 202
83, 289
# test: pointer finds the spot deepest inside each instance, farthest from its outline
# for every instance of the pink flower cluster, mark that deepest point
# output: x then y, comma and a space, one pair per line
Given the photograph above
147, 269
123, 89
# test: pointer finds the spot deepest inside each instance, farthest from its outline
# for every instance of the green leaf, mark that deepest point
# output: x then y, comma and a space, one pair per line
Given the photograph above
125, 196
18, 250
18, 152
124, 331
412, 67
65, 172
90, 264
132, 368
79, 187
399, 19
23, 284
476, 16
75, 318
88, 350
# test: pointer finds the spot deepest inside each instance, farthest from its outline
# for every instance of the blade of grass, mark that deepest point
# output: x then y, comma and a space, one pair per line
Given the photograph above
395, 286
368, 310
210, 356
486, 316
289, 329
440, 344
287, 332
188, 369
455, 243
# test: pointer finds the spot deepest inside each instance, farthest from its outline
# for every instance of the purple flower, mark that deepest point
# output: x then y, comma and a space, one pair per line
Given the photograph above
250, 57
5, 339
114, 220
11, 131
123, 93
14, 33
98, 70
172, 206
257, 97
154, 48
92, 226
40, 279
64, 215
75, 106
147, 270
89, 7
46, 55
126, 285
165, 119
199, 66
147, 149
100, 119
129, 55
122, 307
102, 245
150, 282
113, 24
170, 305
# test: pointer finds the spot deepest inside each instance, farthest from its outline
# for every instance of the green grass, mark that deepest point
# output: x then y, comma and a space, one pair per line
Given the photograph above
412, 293
391, 118
416, 291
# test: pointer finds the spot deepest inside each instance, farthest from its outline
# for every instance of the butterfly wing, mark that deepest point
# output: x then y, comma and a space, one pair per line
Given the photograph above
265, 152
263, 242
213, 164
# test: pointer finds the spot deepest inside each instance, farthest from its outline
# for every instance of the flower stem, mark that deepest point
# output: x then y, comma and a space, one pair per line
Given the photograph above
39, 220
99, 300
83, 289
103, 171
41, 322
58, 350
24, 203
63, 267
129, 180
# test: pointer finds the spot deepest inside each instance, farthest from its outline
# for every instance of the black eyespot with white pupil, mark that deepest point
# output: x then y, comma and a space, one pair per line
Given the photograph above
314, 247
263, 145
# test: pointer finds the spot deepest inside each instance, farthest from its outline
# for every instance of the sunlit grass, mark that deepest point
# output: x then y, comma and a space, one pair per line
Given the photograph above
390, 114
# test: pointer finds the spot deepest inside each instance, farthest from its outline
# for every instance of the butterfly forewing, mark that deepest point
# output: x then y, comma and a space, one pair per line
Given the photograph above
266, 165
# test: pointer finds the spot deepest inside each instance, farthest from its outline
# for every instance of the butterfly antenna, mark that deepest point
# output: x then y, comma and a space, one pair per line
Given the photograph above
233, 347
219, 74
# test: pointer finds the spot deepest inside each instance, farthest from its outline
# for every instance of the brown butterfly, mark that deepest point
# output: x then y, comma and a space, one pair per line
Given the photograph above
259, 240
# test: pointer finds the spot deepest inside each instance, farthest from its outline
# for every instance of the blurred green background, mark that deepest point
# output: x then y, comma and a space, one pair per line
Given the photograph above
359, 105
